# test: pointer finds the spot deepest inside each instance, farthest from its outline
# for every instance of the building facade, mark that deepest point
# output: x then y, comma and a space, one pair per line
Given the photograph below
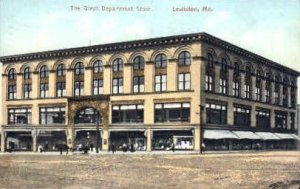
190, 91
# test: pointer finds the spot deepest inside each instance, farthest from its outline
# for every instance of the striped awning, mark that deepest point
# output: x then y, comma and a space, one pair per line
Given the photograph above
267, 136
219, 134
246, 135
284, 136
295, 136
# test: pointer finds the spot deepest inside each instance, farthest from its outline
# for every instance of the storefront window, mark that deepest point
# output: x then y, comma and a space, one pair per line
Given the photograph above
242, 116
216, 113
172, 112
280, 120
263, 118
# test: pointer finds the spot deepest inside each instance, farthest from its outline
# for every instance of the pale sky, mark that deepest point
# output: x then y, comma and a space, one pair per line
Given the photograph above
268, 28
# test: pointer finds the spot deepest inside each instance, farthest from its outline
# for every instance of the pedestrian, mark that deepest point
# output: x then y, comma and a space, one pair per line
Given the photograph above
173, 147
60, 149
113, 148
131, 148
92, 147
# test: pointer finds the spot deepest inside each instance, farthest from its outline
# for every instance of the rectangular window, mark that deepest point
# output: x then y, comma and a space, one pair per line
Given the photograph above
160, 83
268, 100
19, 116
247, 91
27, 91
12, 92
52, 115
138, 84
258, 93
292, 121
44, 90
117, 85
280, 120
216, 113
242, 116
78, 88
276, 97
223, 86
98, 86
236, 88
263, 118
133, 113
209, 83
184, 81
60, 89
172, 112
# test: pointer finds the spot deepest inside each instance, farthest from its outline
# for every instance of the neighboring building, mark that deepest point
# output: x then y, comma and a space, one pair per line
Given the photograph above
184, 90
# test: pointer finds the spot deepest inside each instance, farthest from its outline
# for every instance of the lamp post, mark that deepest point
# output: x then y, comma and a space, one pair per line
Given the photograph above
97, 134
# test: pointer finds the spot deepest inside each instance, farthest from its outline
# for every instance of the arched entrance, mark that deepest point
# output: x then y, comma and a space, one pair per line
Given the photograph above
85, 126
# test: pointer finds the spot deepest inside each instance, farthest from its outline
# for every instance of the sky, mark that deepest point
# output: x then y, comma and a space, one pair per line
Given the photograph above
268, 28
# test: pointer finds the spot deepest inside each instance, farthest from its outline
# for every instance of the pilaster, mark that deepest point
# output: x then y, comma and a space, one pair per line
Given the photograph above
69, 82
149, 76
172, 75
88, 81
19, 86
127, 78
242, 85
230, 82
149, 139
52, 84
107, 80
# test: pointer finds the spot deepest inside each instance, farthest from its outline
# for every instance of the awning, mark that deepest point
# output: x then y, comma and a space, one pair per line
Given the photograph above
219, 134
246, 135
284, 136
295, 136
267, 136
127, 130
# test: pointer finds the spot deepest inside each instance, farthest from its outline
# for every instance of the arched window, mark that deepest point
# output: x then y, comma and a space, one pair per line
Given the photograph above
210, 60
184, 58
87, 115
118, 65
248, 73
12, 74
161, 61
138, 63
27, 73
236, 70
61, 71
98, 66
79, 68
44, 71
224, 65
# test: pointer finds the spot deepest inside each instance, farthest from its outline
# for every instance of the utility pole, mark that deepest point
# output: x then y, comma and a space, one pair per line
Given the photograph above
97, 135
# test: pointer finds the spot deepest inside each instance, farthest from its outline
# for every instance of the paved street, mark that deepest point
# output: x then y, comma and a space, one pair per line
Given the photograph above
151, 170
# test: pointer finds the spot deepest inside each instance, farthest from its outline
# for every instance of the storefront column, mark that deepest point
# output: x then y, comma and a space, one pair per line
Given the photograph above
70, 138
34, 135
149, 139
197, 141
230, 144
253, 117
230, 118
3, 141
105, 137
288, 121
272, 118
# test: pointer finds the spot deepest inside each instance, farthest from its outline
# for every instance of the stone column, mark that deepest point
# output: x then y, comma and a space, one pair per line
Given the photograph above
280, 95
35, 85
3, 141
263, 90
52, 83
288, 97
34, 135
107, 80
230, 82
272, 118
127, 78
217, 79
197, 138
272, 92
253, 116
230, 118
105, 139
70, 137
172, 75
19, 86
149, 139
88, 82
149, 76
253, 88
288, 121
242, 85
69, 82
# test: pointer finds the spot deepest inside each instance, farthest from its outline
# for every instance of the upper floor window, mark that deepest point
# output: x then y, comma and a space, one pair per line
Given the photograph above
98, 86
293, 94
12, 74
209, 82
216, 113
280, 120
263, 118
236, 70
117, 85
224, 65
19, 116
210, 60
44, 87
184, 58
61, 71
242, 116
184, 81
161, 61
223, 86
138, 84
118, 65
44, 72
236, 88
138, 63
27, 91
98, 66
248, 75
133, 113
78, 88
12, 92
172, 112
52, 115
79, 68
60, 89
160, 82
27, 73
87, 115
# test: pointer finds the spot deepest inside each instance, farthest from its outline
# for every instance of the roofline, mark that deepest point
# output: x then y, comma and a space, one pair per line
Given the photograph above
144, 43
